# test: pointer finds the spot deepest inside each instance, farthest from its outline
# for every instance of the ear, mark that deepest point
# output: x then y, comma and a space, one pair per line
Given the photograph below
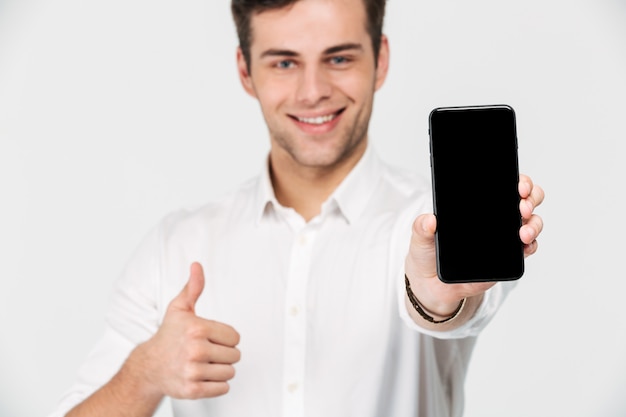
244, 75
383, 62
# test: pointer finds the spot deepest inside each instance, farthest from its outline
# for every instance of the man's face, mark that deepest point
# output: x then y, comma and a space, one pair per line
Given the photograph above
313, 70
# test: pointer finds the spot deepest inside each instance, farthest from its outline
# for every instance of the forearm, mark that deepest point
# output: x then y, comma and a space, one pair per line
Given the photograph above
127, 394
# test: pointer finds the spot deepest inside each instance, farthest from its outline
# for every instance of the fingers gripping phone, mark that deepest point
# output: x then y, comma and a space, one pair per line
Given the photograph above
474, 167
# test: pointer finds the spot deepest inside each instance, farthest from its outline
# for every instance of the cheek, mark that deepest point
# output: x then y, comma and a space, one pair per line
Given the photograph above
358, 87
272, 92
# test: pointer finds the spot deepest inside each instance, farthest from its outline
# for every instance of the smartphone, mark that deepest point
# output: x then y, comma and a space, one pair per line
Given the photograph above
475, 175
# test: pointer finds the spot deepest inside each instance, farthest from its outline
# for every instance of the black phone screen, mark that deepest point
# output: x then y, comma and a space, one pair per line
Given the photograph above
475, 176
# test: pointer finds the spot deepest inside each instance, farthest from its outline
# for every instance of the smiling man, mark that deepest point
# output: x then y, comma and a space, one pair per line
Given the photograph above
313, 69
297, 279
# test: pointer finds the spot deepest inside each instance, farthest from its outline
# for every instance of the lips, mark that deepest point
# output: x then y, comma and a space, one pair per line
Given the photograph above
319, 119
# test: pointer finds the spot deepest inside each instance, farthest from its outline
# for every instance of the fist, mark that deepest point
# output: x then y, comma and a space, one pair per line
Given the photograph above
190, 357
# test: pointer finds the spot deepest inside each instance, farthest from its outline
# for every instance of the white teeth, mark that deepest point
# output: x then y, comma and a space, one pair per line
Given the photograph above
317, 120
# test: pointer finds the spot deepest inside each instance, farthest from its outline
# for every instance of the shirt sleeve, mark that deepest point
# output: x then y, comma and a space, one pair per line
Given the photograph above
493, 299
133, 317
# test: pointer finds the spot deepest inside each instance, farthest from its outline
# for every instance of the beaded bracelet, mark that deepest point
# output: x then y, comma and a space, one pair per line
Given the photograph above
421, 311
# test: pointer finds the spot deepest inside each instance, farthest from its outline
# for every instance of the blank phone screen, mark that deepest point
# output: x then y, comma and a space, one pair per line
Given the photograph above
475, 193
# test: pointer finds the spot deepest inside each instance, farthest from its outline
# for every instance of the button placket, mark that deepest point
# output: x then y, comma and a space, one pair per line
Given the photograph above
295, 323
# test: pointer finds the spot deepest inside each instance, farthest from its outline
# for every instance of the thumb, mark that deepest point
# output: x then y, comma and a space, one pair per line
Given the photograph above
424, 230
187, 298
421, 259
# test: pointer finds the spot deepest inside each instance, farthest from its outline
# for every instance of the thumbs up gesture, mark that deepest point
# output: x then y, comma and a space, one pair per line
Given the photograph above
190, 357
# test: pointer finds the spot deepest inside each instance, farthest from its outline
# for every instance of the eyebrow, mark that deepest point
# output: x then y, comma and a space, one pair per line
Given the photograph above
328, 51
343, 47
278, 52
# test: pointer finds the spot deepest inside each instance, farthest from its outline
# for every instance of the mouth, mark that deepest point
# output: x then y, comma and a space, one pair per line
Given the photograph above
318, 120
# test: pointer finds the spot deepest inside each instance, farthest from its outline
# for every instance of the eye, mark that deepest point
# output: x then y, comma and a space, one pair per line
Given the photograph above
339, 60
285, 64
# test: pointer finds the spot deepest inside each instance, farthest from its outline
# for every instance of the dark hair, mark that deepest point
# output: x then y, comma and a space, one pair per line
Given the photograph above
243, 10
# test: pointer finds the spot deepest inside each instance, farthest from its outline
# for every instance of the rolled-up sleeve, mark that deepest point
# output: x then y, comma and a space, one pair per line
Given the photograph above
493, 299
133, 317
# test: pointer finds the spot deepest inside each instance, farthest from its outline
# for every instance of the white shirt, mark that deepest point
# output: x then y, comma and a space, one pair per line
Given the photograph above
319, 305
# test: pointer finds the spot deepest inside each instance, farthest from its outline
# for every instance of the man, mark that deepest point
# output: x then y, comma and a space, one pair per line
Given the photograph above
307, 262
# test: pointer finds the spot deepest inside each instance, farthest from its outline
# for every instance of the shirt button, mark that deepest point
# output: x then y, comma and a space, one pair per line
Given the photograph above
294, 311
302, 240
293, 387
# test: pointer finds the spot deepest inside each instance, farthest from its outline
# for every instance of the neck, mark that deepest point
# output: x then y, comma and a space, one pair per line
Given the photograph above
306, 188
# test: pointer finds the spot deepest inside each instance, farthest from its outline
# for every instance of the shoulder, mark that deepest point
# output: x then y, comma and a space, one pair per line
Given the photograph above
236, 207
411, 194
405, 181
408, 189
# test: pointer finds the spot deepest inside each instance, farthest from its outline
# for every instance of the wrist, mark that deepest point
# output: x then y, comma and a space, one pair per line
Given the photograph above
442, 313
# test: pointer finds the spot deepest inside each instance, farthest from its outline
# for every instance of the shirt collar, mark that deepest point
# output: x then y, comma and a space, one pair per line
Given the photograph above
350, 197
265, 197
354, 192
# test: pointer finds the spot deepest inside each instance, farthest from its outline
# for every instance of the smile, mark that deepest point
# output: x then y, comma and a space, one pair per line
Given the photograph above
318, 120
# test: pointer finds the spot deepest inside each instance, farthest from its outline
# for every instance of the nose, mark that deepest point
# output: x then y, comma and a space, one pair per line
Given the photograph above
314, 86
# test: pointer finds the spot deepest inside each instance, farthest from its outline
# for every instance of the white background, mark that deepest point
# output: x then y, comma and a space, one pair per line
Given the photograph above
113, 113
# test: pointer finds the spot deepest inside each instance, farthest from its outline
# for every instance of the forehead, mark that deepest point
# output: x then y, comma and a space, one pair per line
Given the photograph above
309, 25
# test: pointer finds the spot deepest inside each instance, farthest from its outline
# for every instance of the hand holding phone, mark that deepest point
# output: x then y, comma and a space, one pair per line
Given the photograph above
474, 166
